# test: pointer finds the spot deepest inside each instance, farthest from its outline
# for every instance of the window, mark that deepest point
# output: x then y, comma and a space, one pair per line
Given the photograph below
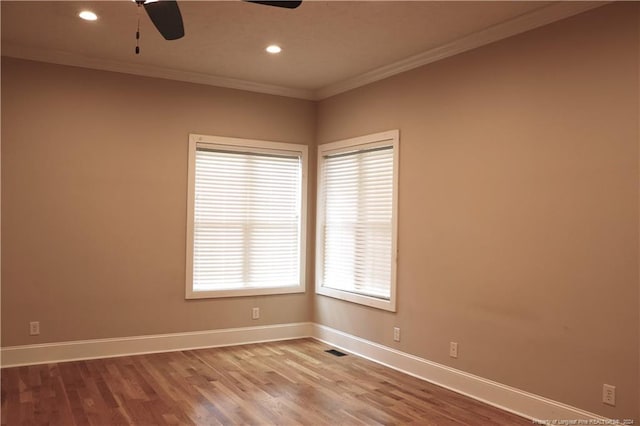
246, 217
356, 231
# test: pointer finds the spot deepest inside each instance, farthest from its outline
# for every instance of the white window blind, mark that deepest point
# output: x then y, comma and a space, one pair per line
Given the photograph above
357, 221
246, 220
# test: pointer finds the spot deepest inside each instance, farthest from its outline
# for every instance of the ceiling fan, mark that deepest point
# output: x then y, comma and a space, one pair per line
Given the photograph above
166, 16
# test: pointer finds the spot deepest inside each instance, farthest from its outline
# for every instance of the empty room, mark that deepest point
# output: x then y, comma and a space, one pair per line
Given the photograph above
320, 212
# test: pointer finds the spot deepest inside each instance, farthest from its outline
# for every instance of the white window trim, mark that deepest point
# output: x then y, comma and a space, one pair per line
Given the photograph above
242, 145
388, 138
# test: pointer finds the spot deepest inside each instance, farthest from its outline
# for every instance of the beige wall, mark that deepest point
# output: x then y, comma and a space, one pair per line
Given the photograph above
519, 221
518, 209
94, 179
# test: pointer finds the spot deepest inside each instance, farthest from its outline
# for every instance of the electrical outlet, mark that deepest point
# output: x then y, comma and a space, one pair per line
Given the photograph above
396, 334
453, 349
34, 328
255, 313
609, 395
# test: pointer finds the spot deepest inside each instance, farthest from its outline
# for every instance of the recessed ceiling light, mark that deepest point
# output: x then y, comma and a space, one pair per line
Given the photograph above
274, 48
88, 16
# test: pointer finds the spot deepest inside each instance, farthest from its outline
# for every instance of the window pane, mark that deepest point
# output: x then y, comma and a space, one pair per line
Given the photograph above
246, 220
358, 206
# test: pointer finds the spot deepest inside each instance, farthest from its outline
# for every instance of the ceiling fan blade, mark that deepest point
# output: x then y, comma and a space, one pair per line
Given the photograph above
284, 3
166, 16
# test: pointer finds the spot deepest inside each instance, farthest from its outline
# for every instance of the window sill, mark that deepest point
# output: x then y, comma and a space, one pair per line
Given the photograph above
373, 302
214, 294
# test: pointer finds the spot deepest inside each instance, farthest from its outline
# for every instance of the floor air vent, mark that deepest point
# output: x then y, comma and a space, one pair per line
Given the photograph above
335, 352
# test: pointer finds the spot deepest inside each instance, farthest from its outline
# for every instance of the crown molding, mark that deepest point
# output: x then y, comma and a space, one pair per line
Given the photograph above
528, 21
537, 18
66, 58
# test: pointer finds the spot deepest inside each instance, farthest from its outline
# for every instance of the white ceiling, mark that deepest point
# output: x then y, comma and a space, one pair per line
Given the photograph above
328, 46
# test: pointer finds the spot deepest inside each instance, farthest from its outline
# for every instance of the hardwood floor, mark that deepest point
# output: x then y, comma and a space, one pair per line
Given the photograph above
284, 383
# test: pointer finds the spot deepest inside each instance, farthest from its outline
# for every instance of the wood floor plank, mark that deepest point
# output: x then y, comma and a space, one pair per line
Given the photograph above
278, 383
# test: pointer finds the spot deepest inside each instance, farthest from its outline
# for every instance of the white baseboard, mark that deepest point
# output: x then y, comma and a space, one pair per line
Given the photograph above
507, 398
14, 356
